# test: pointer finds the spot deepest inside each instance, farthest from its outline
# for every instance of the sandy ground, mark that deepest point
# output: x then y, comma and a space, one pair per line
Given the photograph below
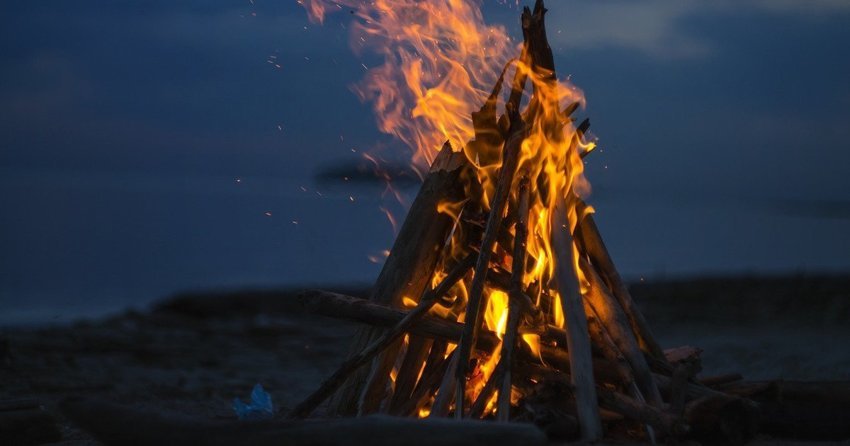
195, 353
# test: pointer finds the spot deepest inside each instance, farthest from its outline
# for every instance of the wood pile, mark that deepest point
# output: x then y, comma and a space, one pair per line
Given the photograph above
597, 373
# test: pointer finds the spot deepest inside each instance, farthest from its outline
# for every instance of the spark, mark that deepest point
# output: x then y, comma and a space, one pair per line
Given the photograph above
267, 213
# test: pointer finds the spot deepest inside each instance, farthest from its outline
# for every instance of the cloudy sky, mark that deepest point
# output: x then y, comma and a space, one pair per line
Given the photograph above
158, 146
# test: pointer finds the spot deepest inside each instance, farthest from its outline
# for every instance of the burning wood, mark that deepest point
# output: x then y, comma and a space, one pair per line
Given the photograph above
519, 309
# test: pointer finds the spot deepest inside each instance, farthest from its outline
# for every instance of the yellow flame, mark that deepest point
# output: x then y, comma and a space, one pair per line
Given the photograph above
533, 342
496, 314
439, 63
440, 60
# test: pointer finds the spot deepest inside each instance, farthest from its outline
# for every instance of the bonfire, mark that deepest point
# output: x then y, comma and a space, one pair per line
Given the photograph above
499, 299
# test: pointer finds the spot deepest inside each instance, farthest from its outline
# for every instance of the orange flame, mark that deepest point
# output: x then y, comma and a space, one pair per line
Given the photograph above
440, 61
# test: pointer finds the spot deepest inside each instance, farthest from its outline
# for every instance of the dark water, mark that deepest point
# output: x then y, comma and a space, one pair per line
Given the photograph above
81, 245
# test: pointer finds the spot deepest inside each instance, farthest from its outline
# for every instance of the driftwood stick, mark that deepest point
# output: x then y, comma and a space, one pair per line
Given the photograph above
365, 311
426, 387
591, 241
679, 386
351, 364
484, 396
718, 380
693, 391
506, 359
361, 310
616, 323
510, 157
418, 348
409, 267
445, 395
578, 340
644, 413
432, 377
606, 346
113, 424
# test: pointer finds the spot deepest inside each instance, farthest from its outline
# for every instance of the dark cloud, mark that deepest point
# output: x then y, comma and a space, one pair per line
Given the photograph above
125, 126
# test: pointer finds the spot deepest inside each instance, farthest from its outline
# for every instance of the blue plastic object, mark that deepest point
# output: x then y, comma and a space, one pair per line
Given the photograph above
259, 408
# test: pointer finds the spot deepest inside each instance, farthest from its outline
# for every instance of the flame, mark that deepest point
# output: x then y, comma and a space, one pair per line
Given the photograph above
440, 62
496, 314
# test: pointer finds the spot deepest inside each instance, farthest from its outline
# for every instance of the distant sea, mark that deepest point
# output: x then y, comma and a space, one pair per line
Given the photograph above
78, 245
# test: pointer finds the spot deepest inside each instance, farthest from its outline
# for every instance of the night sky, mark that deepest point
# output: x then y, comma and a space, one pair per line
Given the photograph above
151, 147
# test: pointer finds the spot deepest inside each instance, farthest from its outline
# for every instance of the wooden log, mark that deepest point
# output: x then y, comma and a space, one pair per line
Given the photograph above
113, 424
644, 413
487, 138
682, 353
693, 390
476, 411
428, 386
418, 349
515, 304
360, 310
578, 339
351, 308
407, 270
604, 345
510, 157
445, 396
683, 373
719, 380
617, 324
591, 241
351, 364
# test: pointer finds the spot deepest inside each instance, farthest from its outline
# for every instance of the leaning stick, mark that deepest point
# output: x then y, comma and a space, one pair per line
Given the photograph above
351, 364
409, 267
594, 247
444, 397
510, 161
428, 385
606, 346
432, 373
615, 322
578, 340
418, 348
480, 404
503, 403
